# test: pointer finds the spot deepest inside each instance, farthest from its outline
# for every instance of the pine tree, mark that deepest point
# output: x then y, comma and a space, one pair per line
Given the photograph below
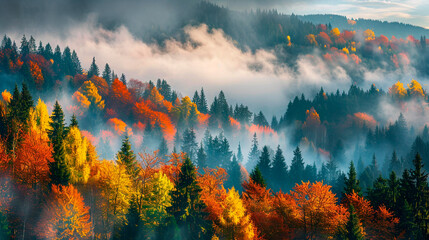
257, 177
107, 74
24, 49
127, 157
279, 170
189, 143
186, 205
163, 148
132, 228
93, 69
76, 63
395, 164
196, 99
239, 154
234, 175
25, 103
202, 106
352, 183
201, 159
32, 45
420, 195
296, 172
123, 79
253, 154
264, 164
353, 226
58, 168
73, 122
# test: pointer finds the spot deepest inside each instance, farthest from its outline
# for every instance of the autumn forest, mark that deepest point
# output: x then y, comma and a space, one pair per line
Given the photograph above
90, 151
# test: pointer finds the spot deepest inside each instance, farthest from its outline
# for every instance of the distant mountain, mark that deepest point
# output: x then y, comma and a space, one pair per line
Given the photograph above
389, 29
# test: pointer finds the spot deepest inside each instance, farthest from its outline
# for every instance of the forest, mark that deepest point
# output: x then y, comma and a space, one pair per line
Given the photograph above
89, 153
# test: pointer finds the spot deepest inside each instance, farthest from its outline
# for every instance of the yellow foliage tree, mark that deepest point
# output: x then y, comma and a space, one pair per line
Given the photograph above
40, 120
335, 32
75, 147
312, 39
415, 89
90, 91
369, 35
7, 96
398, 90
235, 223
156, 200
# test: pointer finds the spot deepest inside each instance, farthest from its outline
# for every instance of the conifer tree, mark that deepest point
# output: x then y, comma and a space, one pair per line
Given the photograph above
189, 144
127, 157
73, 122
296, 172
353, 226
279, 170
239, 154
163, 148
201, 158
123, 79
395, 164
58, 168
202, 105
234, 175
257, 177
264, 164
107, 74
352, 183
93, 69
253, 154
186, 205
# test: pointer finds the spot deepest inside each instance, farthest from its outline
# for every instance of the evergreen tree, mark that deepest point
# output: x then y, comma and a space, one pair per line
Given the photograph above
352, 183
58, 168
76, 63
234, 175
264, 164
201, 158
32, 45
187, 207
296, 172
257, 177
73, 122
420, 195
24, 49
279, 170
93, 69
127, 157
395, 164
377, 194
239, 154
202, 105
163, 148
107, 74
189, 143
132, 228
353, 226
196, 99
253, 154
123, 79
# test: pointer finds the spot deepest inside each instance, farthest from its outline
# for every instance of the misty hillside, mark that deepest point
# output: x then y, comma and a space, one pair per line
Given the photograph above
389, 29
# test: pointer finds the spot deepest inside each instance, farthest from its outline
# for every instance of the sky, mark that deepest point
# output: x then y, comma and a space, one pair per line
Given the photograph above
414, 12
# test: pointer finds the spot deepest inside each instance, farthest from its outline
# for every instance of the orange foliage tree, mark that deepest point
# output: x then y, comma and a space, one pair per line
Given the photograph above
318, 214
66, 215
37, 75
31, 165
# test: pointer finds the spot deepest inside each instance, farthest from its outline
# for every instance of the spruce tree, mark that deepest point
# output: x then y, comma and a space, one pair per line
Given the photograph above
279, 170
253, 154
163, 148
123, 79
73, 122
257, 177
189, 143
58, 168
201, 159
395, 164
25, 104
234, 175
352, 182
107, 74
93, 69
239, 154
202, 107
296, 172
187, 208
353, 226
127, 157
264, 164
